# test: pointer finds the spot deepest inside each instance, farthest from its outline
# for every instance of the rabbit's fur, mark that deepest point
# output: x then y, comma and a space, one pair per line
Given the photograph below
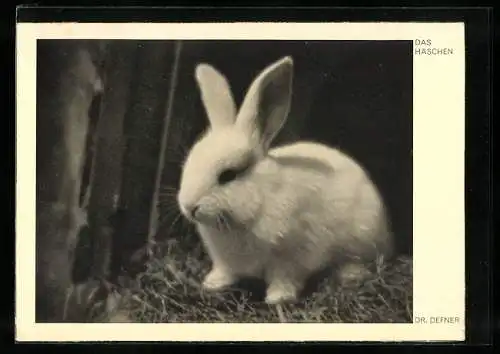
282, 213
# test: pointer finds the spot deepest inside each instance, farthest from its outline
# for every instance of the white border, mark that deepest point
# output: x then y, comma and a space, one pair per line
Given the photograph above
438, 153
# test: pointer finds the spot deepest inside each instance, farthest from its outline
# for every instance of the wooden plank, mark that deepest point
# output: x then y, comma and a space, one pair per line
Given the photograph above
105, 187
67, 80
144, 123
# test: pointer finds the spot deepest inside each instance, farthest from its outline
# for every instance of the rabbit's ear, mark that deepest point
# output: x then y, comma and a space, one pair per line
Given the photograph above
216, 96
267, 102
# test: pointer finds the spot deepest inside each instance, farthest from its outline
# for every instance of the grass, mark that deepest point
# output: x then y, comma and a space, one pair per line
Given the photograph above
169, 290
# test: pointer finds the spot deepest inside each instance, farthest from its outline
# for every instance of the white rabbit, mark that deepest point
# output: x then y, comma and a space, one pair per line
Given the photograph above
279, 214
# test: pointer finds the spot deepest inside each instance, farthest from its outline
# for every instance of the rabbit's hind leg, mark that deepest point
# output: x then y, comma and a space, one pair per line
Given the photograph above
353, 272
285, 281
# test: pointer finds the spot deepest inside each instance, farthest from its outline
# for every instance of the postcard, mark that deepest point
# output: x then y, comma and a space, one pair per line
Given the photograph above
240, 182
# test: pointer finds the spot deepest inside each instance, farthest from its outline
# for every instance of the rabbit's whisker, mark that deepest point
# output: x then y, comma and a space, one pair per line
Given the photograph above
168, 204
225, 222
176, 218
170, 207
218, 219
168, 214
168, 196
169, 190
222, 225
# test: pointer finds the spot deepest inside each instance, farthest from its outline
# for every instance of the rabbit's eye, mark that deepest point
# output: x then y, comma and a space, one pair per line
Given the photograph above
227, 176
231, 174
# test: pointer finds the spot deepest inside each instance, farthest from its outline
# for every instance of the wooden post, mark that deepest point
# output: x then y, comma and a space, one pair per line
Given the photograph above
144, 124
105, 186
155, 212
67, 81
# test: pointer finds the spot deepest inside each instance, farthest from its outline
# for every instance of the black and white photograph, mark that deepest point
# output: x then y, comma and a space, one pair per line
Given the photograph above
225, 181
202, 164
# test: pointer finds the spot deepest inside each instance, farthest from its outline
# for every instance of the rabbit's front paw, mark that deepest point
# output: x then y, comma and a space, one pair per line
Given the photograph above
218, 279
281, 293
